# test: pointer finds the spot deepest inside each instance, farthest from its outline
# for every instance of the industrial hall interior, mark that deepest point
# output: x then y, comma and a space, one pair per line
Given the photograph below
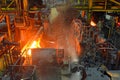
59, 39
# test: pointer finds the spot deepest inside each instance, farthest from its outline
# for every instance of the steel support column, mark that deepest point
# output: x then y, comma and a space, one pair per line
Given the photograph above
78, 1
89, 11
8, 26
25, 6
19, 6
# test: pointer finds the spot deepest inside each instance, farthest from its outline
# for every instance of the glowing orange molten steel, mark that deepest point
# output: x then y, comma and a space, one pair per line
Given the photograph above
35, 44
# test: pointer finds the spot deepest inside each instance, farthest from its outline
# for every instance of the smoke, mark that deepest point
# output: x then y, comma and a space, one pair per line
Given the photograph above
54, 13
72, 51
61, 30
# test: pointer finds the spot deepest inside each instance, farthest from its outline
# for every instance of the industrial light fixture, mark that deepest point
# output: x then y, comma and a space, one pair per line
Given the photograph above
92, 23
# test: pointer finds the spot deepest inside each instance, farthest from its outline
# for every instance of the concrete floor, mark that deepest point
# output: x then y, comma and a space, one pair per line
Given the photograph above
48, 71
93, 74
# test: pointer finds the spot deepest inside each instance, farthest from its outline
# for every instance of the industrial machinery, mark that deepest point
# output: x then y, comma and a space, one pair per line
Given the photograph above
95, 44
59, 39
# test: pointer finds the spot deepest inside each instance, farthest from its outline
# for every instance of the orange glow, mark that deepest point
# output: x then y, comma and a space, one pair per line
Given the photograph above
35, 44
92, 23
29, 52
29, 46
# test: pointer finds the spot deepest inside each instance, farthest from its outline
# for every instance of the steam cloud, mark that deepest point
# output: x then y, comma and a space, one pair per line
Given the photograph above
61, 29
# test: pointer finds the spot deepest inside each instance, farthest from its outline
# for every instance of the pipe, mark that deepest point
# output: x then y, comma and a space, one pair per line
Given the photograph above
19, 7
8, 26
25, 6
105, 4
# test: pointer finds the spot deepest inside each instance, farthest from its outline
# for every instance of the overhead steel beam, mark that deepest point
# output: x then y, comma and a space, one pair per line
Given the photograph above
100, 10
114, 1
8, 9
11, 3
107, 10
